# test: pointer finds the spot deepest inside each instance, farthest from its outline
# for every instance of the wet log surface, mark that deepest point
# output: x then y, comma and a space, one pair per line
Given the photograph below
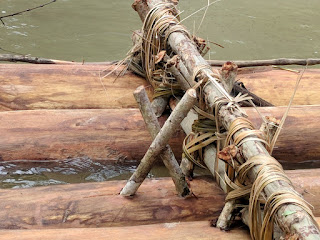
48, 86
100, 205
120, 134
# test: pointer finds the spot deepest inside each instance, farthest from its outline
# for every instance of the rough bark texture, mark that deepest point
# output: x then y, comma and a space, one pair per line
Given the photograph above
27, 87
167, 155
99, 204
160, 141
165, 231
120, 135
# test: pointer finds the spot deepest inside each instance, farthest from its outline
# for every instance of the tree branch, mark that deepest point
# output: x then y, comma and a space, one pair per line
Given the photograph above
27, 10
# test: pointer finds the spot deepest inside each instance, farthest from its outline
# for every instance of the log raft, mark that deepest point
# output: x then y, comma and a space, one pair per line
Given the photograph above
120, 134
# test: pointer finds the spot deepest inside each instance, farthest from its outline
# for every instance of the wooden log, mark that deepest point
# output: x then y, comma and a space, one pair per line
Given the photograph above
100, 205
111, 134
276, 86
27, 87
165, 231
49, 86
120, 135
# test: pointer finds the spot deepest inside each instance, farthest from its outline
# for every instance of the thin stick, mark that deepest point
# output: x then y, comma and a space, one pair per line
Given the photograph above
277, 133
35, 60
27, 10
167, 131
268, 62
167, 155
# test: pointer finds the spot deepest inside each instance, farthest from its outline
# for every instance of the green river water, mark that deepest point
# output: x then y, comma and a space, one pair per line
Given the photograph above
100, 30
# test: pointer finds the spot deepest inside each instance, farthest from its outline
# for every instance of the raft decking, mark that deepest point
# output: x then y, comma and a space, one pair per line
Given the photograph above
65, 111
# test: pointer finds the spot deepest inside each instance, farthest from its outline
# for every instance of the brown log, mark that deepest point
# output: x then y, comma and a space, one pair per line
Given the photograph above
276, 86
166, 231
49, 86
27, 87
100, 205
120, 134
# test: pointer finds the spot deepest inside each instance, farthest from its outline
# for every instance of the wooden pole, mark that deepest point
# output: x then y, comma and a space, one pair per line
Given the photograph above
269, 62
182, 46
160, 141
167, 155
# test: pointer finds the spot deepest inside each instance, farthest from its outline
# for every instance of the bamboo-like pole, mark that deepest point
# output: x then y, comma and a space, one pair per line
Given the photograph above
167, 155
160, 141
299, 222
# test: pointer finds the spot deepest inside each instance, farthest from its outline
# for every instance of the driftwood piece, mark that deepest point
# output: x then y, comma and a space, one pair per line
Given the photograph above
269, 62
100, 205
299, 221
167, 155
159, 142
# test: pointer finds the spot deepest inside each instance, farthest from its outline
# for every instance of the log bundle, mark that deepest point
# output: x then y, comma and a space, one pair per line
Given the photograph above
28, 87
120, 134
93, 205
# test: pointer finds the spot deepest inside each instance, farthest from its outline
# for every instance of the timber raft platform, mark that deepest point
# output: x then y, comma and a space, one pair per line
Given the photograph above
61, 111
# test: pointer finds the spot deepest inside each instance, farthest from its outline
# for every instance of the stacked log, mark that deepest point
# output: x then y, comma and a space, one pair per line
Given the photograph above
120, 134
92, 205
30, 87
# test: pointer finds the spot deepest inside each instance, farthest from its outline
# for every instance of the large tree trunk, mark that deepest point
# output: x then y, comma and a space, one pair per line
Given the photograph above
100, 205
120, 134
27, 87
